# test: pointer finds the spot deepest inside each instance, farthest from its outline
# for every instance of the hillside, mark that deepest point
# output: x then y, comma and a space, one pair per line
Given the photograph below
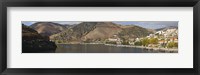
34, 42
99, 31
48, 28
102, 31
134, 32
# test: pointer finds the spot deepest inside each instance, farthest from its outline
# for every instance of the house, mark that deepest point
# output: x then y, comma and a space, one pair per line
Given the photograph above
112, 39
137, 40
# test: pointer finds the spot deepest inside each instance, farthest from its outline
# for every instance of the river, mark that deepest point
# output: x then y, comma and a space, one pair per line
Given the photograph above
99, 48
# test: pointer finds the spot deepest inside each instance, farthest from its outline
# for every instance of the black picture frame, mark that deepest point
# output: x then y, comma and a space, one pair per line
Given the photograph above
99, 3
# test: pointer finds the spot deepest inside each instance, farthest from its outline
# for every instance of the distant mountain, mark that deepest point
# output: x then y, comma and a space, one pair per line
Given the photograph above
34, 42
165, 28
48, 28
99, 31
69, 26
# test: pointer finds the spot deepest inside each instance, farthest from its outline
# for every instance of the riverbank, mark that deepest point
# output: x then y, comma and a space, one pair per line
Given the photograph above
148, 48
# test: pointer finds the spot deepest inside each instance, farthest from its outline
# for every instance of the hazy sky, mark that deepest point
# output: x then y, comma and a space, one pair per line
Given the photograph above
145, 24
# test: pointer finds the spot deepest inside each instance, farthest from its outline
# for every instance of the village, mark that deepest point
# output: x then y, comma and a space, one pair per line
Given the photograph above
163, 39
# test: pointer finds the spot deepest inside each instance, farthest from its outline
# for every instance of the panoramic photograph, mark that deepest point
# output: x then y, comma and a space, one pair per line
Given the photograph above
99, 36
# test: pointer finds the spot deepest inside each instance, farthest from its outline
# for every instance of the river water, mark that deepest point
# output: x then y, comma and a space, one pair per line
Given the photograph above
99, 48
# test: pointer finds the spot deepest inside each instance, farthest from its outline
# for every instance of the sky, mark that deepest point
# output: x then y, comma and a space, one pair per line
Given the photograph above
144, 24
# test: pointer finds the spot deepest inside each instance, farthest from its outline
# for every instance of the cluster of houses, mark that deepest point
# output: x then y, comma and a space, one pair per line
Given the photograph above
163, 38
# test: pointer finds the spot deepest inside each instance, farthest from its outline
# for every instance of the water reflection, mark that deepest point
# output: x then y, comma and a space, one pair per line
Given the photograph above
99, 48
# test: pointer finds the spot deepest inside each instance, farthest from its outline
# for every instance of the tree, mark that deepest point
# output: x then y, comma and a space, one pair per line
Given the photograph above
153, 41
145, 41
138, 43
176, 45
59, 41
172, 44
